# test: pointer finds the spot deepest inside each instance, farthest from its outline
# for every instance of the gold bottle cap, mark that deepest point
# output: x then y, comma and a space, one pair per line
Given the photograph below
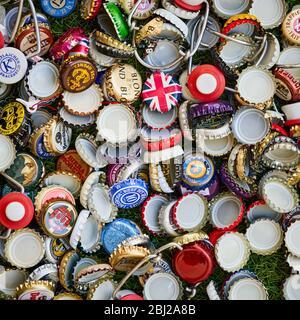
150, 29
124, 258
67, 296
123, 83
57, 136
102, 289
66, 268
291, 27
191, 237
36, 290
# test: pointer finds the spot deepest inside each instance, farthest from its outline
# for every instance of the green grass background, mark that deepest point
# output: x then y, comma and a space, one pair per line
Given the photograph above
271, 270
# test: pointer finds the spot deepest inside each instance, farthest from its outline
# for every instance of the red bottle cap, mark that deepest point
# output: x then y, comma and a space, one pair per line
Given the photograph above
216, 234
206, 83
1, 40
182, 4
195, 263
132, 297
16, 211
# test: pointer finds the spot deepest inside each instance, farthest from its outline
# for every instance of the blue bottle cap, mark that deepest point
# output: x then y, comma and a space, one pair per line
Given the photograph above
129, 193
58, 8
198, 172
117, 231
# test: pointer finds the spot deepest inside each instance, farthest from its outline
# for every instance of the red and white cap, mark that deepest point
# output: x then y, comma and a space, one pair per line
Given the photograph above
206, 83
16, 211
190, 212
150, 212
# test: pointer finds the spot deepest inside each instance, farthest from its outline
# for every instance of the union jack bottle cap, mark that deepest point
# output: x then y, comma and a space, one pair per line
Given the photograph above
161, 92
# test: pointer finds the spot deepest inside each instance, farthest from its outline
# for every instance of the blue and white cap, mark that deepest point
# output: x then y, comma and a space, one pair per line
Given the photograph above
58, 8
129, 193
117, 231
13, 65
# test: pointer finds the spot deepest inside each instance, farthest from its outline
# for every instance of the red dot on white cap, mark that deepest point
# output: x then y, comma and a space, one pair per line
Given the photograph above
15, 211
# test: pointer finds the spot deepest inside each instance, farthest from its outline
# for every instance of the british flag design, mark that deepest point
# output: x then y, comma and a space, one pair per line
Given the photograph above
161, 92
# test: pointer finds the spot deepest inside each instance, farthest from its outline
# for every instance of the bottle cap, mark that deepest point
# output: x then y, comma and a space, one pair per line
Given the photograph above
179, 11
67, 296
92, 179
126, 257
290, 27
150, 212
91, 274
42, 80
66, 269
287, 86
45, 272
86, 146
77, 73
58, 218
198, 172
90, 235
9, 152
129, 193
245, 118
256, 85
10, 279
260, 210
12, 118
123, 83
291, 111
265, 236
58, 9
106, 124
13, 65
57, 136
170, 287
226, 211
191, 237
55, 249
206, 83
27, 170
156, 120
232, 251
52, 192
26, 41
37, 145
81, 264
16, 211
89, 9
195, 263
217, 147
143, 11
71, 162
190, 212
78, 227
161, 92
99, 203
271, 14
115, 25
103, 289
117, 231
65, 179
36, 290
247, 289
225, 10
291, 287
165, 219
292, 238
18, 248
278, 195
